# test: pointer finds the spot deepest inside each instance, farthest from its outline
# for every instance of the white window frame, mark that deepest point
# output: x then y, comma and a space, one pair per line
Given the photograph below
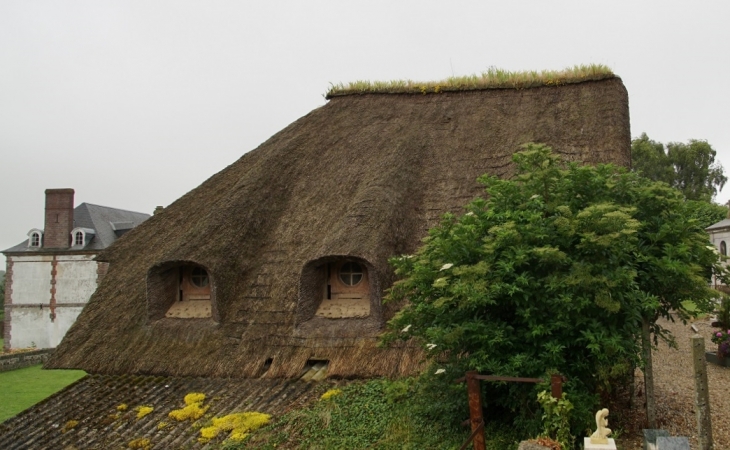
31, 234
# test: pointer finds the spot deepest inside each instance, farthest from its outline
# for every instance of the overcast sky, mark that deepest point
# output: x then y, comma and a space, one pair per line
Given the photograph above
134, 103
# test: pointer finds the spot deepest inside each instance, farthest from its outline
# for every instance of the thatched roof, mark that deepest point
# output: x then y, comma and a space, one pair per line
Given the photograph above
363, 176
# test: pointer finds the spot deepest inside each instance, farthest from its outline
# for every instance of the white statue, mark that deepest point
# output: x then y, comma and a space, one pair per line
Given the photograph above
602, 430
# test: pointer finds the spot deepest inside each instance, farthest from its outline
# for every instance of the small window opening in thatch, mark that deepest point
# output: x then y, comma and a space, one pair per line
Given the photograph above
348, 291
267, 364
180, 290
338, 288
315, 369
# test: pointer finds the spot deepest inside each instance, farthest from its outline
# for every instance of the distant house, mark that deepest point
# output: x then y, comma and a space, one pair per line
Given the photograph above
51, 275
720, 238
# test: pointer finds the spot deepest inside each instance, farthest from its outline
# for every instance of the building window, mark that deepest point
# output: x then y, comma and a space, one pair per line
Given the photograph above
35, 239
199, 277
79, 238
723, 248
351, 273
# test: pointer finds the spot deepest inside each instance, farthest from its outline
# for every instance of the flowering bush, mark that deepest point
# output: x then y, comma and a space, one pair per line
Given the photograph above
722, 339
556, 269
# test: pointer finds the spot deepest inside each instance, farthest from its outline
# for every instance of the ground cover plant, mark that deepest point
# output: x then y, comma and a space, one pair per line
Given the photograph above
555, 271
379, 414
493, 78
22, 388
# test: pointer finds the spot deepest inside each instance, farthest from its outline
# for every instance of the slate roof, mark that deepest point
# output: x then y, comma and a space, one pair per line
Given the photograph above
108, 224
724, 223
93, 402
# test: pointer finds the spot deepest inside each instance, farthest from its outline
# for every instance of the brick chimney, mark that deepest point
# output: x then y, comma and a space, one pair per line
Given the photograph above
59, 218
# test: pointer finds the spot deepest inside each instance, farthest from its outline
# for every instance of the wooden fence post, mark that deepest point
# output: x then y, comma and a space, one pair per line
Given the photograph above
475, 409
648, 374
702, 394
556, 385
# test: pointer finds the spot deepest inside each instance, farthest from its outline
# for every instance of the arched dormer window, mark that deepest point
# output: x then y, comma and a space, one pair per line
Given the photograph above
723, 248
35, 238
81, 237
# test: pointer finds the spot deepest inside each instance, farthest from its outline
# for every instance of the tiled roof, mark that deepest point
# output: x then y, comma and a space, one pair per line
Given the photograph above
93, 401
99, 219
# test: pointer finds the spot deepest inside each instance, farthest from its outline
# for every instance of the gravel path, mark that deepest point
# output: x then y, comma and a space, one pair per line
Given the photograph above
674, 391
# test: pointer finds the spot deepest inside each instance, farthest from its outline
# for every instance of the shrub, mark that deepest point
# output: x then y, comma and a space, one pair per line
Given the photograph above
554, 271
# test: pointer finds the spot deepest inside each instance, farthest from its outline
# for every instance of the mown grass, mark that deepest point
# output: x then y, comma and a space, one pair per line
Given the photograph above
20, 389
491, 79
378, 414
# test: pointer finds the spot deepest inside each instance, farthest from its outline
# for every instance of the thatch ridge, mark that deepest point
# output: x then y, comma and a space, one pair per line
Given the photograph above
493, 78
362, 177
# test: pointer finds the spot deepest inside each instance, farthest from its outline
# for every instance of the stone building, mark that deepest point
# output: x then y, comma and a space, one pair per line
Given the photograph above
51, 275
720, 238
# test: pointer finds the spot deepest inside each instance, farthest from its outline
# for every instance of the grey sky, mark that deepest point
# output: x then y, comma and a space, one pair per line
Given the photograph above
134, 103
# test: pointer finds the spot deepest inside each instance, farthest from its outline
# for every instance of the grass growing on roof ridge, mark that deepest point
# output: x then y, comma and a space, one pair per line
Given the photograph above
493, 78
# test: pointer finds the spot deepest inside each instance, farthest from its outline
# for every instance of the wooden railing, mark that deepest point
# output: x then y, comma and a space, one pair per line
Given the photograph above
476, 417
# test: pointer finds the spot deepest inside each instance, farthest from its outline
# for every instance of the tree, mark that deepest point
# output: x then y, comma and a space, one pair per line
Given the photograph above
690, 167
555, 270
697, 174
706, 213
650, 159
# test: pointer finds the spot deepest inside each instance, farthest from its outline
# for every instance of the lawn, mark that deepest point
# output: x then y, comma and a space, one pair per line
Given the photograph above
22, 388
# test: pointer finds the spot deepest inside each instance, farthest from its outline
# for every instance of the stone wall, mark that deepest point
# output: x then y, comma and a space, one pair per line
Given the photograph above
14, 361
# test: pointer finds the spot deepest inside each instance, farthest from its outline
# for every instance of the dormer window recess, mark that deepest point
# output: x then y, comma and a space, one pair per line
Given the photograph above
121, 227
81, 237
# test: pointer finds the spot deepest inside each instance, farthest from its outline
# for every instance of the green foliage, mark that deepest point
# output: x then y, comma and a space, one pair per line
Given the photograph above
554, 271
706, 213
556, 418
380, 414
22, 388
723, 312
690, 167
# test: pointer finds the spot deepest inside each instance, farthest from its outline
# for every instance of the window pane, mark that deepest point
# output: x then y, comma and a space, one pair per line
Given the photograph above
199, 277
351, 273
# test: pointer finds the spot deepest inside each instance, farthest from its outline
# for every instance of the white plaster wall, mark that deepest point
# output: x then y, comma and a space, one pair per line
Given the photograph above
31, 282
716, 237
33, 326
75, 279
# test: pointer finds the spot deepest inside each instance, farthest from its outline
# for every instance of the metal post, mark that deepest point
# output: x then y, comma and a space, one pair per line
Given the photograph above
475, 409
556, 385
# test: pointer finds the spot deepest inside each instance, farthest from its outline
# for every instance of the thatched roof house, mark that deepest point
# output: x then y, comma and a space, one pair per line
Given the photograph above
280, 259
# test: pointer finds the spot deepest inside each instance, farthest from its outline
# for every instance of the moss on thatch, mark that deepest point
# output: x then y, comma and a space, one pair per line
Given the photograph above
362, 177
491, 79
